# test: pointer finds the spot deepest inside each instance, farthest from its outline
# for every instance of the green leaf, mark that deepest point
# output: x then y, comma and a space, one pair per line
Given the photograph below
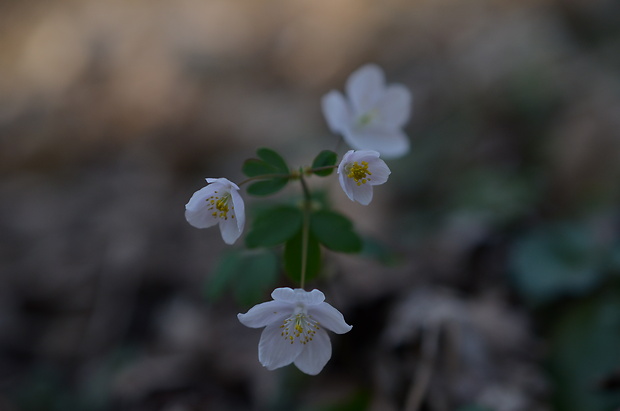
335, 231
249, 274
266, 187
274, 159
254, 167
555, 260
373, 248
293, 257
324, 159
583, 351
274, 226
224, 273
258, 275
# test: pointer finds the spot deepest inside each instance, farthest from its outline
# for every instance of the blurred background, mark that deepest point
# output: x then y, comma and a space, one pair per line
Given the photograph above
492, 280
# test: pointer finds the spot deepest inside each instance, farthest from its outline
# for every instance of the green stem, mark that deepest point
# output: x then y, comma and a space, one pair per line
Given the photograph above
305, 229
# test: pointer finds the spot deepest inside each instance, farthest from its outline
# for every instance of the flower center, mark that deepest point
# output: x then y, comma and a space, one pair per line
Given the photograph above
366, 118
219, 205
299, 327
359, 172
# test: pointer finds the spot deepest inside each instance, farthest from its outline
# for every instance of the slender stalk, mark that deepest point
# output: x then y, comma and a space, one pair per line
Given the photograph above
305, 230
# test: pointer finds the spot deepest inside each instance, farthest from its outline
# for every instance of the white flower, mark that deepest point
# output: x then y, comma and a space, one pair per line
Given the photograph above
295, 323
359, 171
373, 114
218, 202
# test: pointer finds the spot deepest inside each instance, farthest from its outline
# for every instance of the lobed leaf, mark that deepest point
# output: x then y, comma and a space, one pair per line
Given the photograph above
335, 231
254, 167
274, 159
324, 159
266, 187
274, 226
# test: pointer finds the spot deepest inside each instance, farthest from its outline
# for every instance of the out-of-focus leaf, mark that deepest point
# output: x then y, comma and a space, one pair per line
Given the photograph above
494, 195
274, 159
473, 408
248, 274
555, 260
376, 250
274, 226
584, 349
293, 257
323, 159
258, 275
253, 167
271, 165
224, 273
335, 231
267, 187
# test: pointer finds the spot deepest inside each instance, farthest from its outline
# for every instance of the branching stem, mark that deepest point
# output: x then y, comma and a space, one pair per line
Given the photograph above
305, 229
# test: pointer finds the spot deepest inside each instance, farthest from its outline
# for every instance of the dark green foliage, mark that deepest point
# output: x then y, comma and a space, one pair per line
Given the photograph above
271, 165
249, 274
293, 257
335, 231
274, 226
266, 187
584, 349
323, 159
555, 260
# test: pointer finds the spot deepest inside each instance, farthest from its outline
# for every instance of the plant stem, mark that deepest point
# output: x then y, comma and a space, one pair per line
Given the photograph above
305, 229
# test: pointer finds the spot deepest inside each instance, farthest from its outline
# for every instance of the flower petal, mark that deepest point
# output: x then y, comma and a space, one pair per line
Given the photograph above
196, 210
347, 185
298, 295
265, 313
309, 297
394, 107
238, 209
330, 318
362, 193
315, 354
390, 143
284, 294
336, 111
230, 230
380, 171
274, 350
365, 87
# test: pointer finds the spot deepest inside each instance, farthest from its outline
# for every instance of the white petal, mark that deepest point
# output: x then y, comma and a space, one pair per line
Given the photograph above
238, 209
380, 171
390, 144
196, 210
265, 313
223, 183
347, 185
298, 295
309, 297
284, 294
230, 230
315, 354
394, 107
330, 318
362, 193
336, 111
365, 87
274, 350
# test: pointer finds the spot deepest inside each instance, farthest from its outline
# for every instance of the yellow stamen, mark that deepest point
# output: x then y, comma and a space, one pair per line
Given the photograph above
359, 172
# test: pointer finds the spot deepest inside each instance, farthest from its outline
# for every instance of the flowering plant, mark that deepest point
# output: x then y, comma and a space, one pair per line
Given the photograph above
370, 120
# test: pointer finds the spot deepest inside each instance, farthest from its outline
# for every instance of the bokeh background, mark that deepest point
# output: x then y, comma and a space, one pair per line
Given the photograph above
492, 277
